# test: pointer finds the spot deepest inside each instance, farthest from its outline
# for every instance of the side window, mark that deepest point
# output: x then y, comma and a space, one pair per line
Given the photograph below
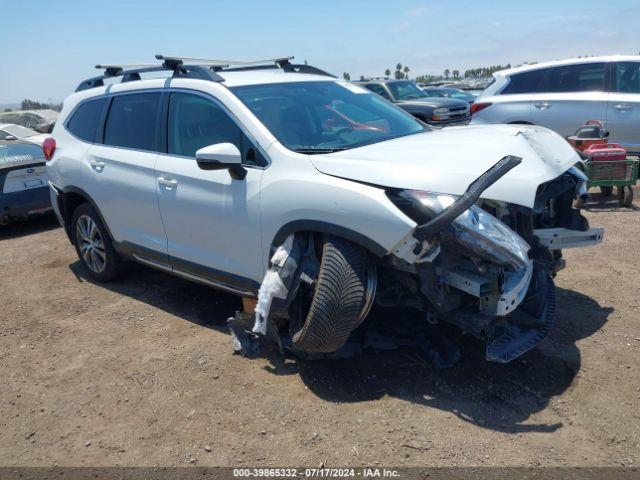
132, 121
196, 122
378, 89
84, 121
583, 77
526, 82
627, 77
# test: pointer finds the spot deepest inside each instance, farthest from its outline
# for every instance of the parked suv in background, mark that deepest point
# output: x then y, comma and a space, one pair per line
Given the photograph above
209, 172
407, 95
563, 95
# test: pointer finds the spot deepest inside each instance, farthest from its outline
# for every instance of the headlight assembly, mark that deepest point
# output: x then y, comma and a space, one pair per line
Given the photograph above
440, 114
477, 230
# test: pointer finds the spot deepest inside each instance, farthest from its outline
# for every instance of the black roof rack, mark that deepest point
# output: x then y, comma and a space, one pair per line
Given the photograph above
204, 69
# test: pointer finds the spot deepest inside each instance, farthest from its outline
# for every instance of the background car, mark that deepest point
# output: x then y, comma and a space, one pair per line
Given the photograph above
24, 189
407, 95
40, 120
11, 131
449, 92
562, 95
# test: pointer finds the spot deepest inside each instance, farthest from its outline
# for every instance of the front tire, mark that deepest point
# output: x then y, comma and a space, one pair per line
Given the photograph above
93, 245
338, 299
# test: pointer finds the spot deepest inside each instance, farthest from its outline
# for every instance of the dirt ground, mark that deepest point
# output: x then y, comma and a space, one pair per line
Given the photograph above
140, 373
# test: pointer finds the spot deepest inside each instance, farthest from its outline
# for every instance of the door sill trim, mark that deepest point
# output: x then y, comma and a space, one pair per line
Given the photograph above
212, 283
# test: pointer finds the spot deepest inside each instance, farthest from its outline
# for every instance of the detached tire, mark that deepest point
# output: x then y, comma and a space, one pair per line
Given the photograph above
337, 300
93, 245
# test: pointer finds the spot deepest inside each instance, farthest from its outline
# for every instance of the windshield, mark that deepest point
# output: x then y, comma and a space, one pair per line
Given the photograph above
433, 93
321, 117
456, 93
405, 90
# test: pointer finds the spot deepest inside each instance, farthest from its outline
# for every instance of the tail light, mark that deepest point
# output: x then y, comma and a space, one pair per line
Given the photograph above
48, 148
476, 107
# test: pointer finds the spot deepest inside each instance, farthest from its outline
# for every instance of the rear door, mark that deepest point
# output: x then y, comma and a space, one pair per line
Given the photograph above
212, 220
122, 167
569, 95
513, 103
623, 112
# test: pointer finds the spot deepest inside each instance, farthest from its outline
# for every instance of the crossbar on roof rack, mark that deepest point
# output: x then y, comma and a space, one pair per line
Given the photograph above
204, 69
225, 63
116, 70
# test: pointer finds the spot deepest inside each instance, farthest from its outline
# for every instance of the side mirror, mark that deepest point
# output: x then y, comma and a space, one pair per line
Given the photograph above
222, 156
10, 137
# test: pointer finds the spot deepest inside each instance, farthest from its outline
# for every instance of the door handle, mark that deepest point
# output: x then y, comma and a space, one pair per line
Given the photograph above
168, 183
97, 165
543, 106
623, 107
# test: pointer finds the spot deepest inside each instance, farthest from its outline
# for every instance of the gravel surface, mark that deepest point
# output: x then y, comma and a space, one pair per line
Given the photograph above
140, 372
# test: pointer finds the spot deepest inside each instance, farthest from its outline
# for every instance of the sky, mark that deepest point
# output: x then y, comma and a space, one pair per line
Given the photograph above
48, 47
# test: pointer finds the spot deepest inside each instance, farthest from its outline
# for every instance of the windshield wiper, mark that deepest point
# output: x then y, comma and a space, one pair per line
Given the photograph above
313, 151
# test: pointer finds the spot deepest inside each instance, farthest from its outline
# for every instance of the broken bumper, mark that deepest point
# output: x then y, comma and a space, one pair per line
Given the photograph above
561, 238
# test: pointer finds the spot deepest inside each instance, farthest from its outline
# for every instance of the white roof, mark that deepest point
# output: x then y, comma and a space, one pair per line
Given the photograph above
257, 77
568, 61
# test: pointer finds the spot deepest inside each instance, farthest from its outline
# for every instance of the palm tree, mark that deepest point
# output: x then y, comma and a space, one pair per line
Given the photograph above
406, 72
456, 74
399, 73
446, 74
387, 73
346, 76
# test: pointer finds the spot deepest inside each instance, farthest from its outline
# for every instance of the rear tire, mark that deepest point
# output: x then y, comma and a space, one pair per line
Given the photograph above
338, 299
93, 245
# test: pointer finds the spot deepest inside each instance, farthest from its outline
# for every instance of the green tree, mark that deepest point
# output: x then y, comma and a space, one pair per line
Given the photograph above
406, 72
446, 74
398, 74
346, 76
387, 73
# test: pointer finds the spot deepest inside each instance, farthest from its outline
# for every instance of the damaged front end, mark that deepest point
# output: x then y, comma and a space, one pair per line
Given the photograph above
483, 265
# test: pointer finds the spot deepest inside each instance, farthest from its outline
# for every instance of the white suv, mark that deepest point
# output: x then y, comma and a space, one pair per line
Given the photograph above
563, 95
205, 173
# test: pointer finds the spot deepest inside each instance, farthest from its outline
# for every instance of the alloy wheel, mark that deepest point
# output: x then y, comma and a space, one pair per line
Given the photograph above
91, 244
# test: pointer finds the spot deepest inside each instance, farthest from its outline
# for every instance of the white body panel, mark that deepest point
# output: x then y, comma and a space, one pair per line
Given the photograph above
293, 190
447, 161
123, 183
211, 219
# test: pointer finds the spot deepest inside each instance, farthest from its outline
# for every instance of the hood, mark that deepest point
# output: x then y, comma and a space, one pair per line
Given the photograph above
433, 102
448, 160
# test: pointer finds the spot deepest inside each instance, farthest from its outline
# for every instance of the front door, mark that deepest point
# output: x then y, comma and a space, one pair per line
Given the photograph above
212, 220
623, 113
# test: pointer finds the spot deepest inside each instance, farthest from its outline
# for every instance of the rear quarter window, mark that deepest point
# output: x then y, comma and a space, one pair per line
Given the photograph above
84, 121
